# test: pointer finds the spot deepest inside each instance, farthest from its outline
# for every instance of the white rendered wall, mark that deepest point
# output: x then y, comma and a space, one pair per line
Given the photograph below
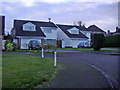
52, 35
88, 34
62, 36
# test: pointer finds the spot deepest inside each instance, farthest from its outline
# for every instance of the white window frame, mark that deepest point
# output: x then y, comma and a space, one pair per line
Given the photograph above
73, 29
29, 27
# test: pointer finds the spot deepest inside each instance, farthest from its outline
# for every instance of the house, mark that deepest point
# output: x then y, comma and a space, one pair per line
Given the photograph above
70, 35
95, 29
2, 27
26, 30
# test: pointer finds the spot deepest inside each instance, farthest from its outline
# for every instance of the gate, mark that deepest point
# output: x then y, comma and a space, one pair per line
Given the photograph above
59, 43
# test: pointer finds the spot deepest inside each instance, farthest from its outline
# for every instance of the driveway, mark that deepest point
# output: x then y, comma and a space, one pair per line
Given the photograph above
84, 70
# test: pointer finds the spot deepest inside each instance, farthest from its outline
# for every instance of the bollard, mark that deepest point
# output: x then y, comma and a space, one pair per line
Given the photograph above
54, 59
42, 53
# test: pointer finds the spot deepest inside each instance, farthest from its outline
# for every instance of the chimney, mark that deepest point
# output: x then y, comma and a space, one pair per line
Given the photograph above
49, 19
108, 31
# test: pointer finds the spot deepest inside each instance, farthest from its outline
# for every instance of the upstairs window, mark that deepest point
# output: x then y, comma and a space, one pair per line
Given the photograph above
29, 27
74, 32
46, 29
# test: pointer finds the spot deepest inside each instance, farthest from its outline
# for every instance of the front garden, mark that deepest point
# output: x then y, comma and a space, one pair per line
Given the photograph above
21, 71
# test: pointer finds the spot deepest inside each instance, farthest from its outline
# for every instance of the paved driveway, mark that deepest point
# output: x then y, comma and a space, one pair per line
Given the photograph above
76, 71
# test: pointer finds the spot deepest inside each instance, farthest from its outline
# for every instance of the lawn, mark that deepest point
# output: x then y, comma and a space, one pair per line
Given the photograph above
37, 51
87, 49
21, 71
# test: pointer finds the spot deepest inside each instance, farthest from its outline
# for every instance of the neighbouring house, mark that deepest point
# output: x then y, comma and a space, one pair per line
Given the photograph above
26, 30
70, 36
2, 27
114, 33
95, 29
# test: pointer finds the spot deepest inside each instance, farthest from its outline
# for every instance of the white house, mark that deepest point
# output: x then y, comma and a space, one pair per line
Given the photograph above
49, 33
70, 36
90, 30
25, 31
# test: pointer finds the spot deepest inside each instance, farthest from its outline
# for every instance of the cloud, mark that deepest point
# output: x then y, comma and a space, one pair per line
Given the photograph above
28, 3
99, 13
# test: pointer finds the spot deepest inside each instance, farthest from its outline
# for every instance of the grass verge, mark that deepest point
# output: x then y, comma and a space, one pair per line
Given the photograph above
87, 49
20, 71
37, 51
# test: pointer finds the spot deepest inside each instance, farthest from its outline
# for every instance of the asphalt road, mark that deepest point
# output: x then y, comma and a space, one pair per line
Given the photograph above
76, 70
107, 63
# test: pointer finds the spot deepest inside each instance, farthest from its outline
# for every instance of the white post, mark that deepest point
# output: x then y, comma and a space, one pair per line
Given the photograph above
42, 53
54, 59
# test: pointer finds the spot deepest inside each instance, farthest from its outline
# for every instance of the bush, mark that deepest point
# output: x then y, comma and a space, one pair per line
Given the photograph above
14, 46
9, 47
112, 41
97, 41
50, 47
5, 44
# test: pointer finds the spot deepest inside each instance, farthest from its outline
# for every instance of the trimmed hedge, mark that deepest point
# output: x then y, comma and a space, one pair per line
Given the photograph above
112, 41
97, 41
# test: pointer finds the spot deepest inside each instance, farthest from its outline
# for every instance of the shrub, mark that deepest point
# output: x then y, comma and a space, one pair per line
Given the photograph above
97, 41
112, 41
5, 44
14, 46
9, 47
50, 47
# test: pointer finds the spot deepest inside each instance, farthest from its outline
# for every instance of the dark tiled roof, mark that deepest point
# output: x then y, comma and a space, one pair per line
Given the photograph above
64, 28
18, 26
82, 28
2, 25
94, 28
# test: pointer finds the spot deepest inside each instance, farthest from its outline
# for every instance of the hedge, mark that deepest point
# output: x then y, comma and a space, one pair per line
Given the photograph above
112, 41
97, 41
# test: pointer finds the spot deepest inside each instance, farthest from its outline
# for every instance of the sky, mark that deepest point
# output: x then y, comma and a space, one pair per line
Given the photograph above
103, 14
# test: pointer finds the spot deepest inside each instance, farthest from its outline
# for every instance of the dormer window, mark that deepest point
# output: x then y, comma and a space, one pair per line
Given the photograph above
73, 31
46, 29
29, 27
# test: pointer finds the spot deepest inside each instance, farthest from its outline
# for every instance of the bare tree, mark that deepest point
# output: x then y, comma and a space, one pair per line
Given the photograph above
79, 23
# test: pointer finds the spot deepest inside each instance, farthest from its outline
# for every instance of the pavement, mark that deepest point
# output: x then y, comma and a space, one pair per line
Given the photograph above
83, 70
109, 49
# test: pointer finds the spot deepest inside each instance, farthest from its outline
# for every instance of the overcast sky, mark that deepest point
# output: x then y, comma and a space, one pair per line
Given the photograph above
102, 14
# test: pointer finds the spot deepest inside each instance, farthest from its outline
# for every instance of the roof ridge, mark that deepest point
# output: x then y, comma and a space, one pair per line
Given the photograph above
32, 21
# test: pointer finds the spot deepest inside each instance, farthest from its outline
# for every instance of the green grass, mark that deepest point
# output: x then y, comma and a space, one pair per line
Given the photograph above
113, 47
76, 49
21, 71
87, 49
36, 51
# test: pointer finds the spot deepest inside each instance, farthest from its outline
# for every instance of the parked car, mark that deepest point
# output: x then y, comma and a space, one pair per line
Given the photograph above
83, 44
34, 44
